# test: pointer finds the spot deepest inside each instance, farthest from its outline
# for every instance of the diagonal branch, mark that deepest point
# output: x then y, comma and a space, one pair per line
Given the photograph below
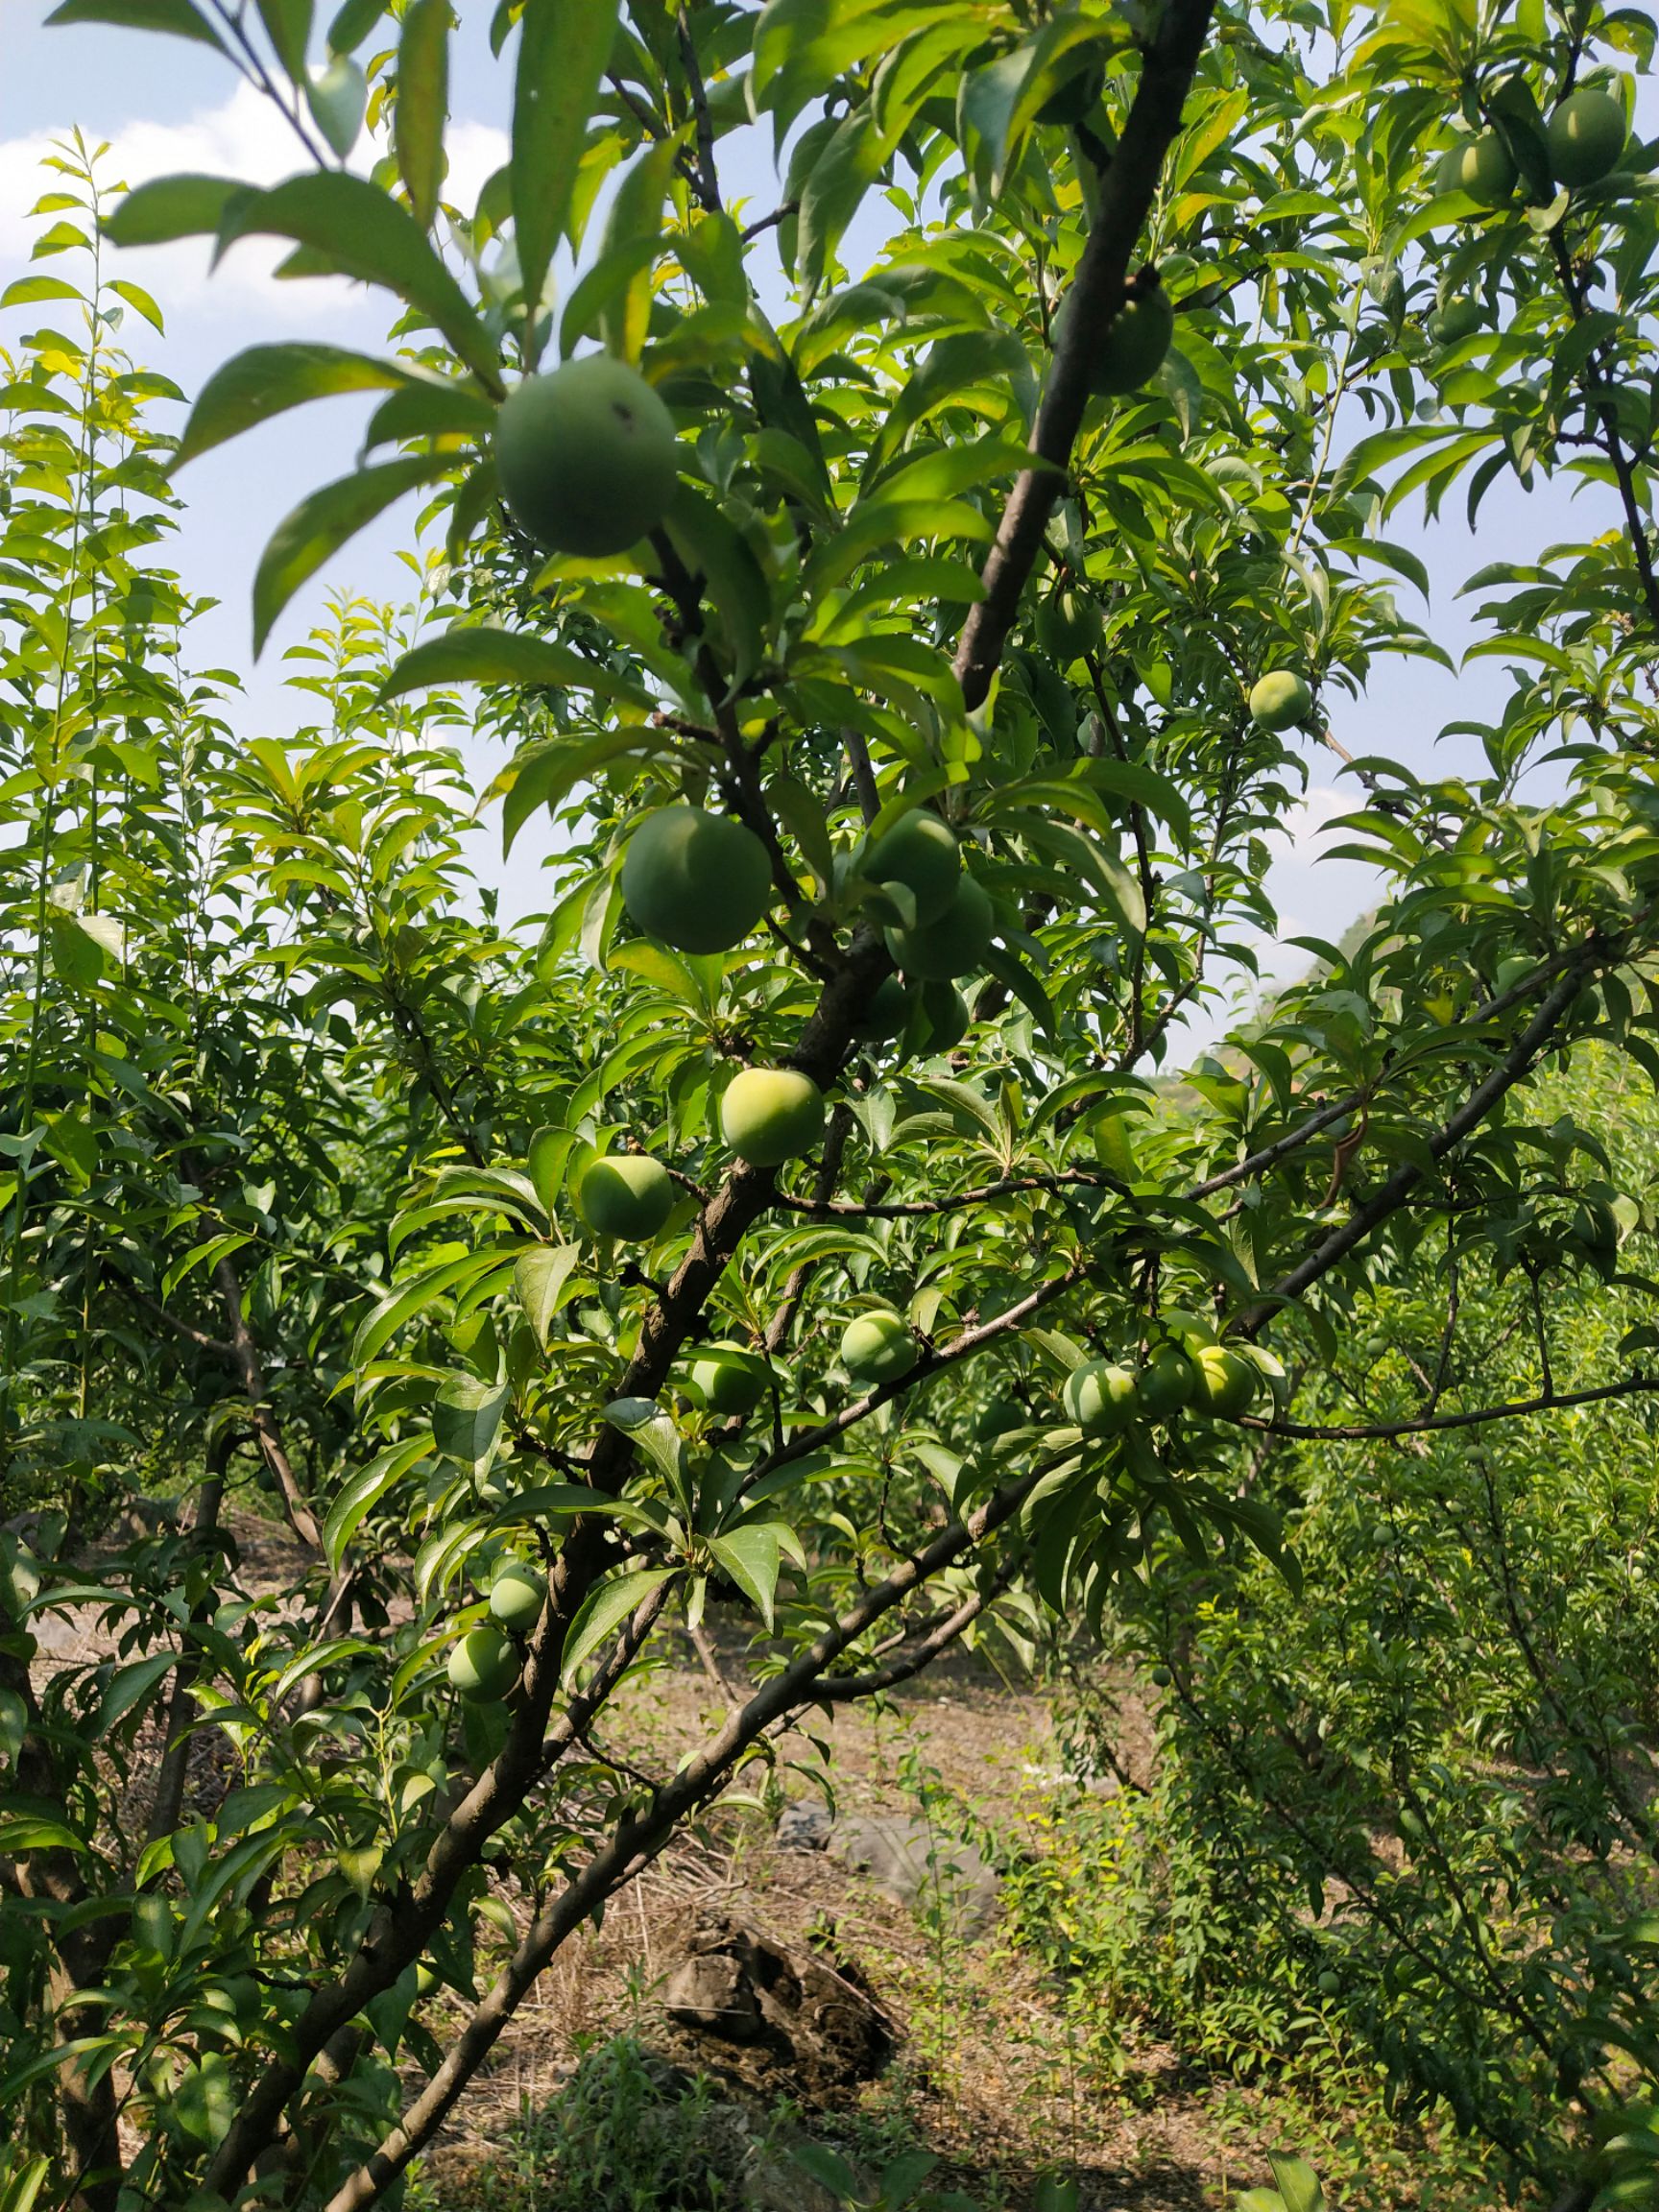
1126, 194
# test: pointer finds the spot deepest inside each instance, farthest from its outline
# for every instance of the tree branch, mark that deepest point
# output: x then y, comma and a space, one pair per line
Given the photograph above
1126, 196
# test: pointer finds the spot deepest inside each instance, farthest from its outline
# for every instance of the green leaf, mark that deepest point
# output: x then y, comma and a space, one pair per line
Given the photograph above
353, 23
718, 554
180, 17
402, 1305
1298, 2183
423, 105
645, 1425
751, 1556
140, 301
363, 1490
467, 1418
322, 524
27, 290
24, 1833
358, 231
539, 1278
606, 1609
131, 1686
473, 654
169, 207
265, 380
619, 280
288, 27
563, 47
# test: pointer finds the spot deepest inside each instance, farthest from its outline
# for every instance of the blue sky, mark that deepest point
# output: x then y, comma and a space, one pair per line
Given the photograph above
164, 104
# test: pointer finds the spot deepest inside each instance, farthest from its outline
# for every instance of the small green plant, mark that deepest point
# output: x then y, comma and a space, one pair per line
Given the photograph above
901, 2185
626, 2134
1298, 2188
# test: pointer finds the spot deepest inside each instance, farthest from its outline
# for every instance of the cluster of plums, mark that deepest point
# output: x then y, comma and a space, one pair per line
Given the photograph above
484, 1664
1586, 136
1105, 1398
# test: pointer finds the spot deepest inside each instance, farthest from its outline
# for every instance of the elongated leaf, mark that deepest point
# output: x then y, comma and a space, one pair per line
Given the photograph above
137, 298
187, 206
751, 1556
607, 1609
129, 1686
717, 551
27, 290
265, 380
322, 524
1298, 2183
422, 107
360, 232
179, 17
563, 47
409, 1298
364, 1490
477, 654
621, 277
467, 1420
288, 26
539, 1278
38, 1835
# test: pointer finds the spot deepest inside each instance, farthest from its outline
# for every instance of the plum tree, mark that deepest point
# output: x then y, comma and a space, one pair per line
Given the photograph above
483, 1666
302, 1111
954, 943
729, 1378
879, 1346
922, 853
770, 1115
586, 457
1279, 700
626, 1195
699, 881
1586, 135
1480, 165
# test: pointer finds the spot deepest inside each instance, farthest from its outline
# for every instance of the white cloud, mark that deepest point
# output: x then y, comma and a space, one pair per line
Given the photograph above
245, 138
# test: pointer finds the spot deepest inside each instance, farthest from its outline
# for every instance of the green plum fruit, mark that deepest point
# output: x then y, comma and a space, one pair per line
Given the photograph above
1163, 1677
586, 457
517, 1597
888, 1013
955, 944
998, 1419
878, 1347
1069, 625
1514, 968
945, 1018
1166, 1383
1078, 96
730, 1379
625, 1194
922, 853
1480, 166
1133, 349
1101, 1396
770, 1115
1586, 135
698, 881
1226, 1382
1280, 699
483, 1666
1459, 318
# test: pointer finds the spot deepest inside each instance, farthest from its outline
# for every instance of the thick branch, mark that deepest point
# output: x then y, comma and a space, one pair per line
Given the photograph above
1126, 195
